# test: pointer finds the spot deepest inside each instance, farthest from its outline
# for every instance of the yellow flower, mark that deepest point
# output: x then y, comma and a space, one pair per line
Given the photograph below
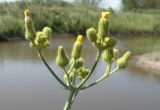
105, 14
80, 38
27, 12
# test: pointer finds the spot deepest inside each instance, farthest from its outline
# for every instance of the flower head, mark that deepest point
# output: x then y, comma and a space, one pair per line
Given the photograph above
80, 38
27, 12
105, 14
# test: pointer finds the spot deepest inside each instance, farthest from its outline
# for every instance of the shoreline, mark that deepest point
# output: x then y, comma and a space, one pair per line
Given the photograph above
116, 34
149, 62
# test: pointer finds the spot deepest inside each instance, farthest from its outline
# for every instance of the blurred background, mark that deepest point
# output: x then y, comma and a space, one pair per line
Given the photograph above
25, 84
128, 17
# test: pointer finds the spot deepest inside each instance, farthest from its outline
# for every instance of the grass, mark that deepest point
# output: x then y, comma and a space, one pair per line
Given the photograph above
135, 23
65, 17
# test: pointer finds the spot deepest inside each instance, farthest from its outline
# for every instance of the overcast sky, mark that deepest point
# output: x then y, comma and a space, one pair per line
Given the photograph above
115, 4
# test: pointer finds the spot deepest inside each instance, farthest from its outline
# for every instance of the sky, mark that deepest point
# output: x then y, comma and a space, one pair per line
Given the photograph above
115, 4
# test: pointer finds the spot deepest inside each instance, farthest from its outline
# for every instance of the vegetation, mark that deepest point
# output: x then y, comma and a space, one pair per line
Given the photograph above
135, 23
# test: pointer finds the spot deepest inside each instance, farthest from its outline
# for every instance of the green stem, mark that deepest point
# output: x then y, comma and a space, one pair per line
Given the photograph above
75, 95
74, 77
68, 79
100, 79
69, 101
71, 68
93, 68
49, 68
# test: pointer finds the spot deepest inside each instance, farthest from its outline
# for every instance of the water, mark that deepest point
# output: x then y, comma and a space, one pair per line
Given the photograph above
25, 84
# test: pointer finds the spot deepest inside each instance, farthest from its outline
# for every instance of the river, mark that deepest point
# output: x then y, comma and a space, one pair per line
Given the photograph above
25, 84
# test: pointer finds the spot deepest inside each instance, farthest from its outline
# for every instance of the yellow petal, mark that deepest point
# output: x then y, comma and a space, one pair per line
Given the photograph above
80, 38
27, 12
105, 14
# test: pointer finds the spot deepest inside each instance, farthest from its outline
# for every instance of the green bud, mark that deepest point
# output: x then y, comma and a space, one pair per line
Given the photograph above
122, 62
41, 40
47, 32
62, 58
82, 73
108, 55
77, 50
79, 63
91, 35
98, 43
30, 33
40, 37
103, 28
107, 40
112, 42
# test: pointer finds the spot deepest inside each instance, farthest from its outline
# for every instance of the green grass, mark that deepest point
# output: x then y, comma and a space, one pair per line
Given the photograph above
135, 23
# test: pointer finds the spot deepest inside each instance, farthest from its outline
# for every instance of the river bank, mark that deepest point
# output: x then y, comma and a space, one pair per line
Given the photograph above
149, 62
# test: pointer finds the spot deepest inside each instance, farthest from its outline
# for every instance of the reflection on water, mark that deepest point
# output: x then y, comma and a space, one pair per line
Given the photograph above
26, 85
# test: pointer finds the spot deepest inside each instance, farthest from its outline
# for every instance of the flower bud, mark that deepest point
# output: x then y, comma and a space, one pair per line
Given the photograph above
98, 43
103, 27
82, 73
122, 62
107, 40
47, 32
62, 58
77, 48
105, 14
41, 40
80, 38
105, 43
27, 12
40, 37
79, 63
91, 35
29, 27
112, 42
108, 55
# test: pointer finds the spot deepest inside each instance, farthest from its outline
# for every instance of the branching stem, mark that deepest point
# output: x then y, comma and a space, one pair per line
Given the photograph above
48, 67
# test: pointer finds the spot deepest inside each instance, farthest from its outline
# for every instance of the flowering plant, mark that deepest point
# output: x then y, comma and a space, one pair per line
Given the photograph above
77, 75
